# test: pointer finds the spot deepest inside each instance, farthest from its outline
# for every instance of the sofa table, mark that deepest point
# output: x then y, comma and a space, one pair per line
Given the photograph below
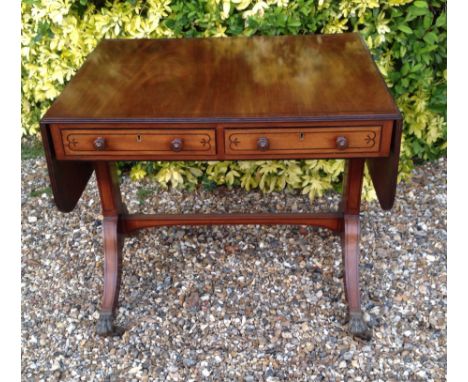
243, 98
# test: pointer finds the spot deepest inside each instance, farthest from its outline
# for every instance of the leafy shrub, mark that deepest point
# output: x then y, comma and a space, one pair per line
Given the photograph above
407, 39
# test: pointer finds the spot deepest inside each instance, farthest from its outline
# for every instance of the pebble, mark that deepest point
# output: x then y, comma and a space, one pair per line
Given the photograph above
206, 372
189, 362
348, 355
193, 301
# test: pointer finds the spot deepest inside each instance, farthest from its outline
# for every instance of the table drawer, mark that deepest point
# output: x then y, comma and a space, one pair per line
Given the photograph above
328, 141
132, 143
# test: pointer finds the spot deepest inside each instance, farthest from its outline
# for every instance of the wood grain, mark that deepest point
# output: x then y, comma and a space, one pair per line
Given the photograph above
352, 186
151, 141
133, 222
313, 77
67, 179
350, 248
120, 142
303, 140
112, 210
384, 171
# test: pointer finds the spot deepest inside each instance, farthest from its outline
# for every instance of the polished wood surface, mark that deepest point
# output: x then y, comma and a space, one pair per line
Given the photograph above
122, 143
112, 210
350, 237
308, 140
133, 222
256, 82
313, 77
301, 97
352, 186
384, 171
67, 179
222, 141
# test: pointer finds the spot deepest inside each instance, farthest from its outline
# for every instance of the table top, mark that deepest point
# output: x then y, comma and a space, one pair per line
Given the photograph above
281, 78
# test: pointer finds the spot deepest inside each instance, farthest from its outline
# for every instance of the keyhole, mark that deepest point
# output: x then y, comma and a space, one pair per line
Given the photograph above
138, 138
301, 136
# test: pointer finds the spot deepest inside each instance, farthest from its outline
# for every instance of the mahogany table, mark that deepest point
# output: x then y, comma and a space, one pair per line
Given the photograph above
301, 97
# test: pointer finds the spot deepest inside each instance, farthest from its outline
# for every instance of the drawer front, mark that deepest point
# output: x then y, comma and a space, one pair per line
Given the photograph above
327, 141
132, 143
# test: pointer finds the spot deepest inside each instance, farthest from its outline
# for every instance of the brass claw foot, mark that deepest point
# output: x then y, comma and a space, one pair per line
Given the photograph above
358, 327
105, 326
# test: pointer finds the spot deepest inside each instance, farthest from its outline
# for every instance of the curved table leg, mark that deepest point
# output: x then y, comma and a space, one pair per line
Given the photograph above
113, 209
113, 243
350, 245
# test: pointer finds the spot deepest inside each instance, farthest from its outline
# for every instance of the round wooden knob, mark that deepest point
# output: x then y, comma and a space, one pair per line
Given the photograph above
341, 143
263, 144
177, 144
99, 143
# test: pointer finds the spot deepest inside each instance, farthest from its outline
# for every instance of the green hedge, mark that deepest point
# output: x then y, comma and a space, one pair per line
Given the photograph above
407, 39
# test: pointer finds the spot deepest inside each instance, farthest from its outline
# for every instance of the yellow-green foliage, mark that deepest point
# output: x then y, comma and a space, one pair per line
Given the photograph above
407, 39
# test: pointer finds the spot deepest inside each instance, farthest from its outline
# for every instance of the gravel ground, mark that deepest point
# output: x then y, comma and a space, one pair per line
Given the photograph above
234, 303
